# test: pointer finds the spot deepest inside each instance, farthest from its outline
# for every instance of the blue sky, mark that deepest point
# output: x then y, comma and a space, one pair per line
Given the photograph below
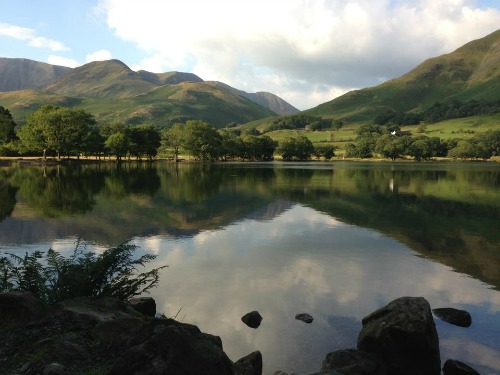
306, 51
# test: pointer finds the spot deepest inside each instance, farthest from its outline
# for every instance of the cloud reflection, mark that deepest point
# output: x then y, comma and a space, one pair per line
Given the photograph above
302, 261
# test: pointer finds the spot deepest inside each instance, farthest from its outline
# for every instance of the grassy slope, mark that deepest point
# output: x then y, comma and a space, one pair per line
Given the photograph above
471, 72
112, 92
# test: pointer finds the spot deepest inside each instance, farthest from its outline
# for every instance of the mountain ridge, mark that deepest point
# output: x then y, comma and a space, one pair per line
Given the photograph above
470, 72
110, 78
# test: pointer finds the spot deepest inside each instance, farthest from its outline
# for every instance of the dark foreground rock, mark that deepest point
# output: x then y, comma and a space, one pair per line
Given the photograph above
403, 335
106, 336
353, 362
460, 318
454, 367
252, 319
249, 365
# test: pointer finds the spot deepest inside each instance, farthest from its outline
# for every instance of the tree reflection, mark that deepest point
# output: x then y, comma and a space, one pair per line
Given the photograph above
7, 195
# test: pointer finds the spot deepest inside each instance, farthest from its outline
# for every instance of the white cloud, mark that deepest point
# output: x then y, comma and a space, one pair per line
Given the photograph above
53, 45
100, 55
334, 43
23, 33
16, 32
63, 61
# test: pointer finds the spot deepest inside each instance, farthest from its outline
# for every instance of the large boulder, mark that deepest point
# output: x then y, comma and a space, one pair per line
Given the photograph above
19, 308
404, 336
174, 349
249, 365
353, 362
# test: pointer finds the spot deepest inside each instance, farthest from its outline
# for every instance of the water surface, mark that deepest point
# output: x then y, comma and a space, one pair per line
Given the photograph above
335, 240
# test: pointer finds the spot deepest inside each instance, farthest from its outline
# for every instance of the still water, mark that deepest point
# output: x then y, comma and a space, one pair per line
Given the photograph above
335, 240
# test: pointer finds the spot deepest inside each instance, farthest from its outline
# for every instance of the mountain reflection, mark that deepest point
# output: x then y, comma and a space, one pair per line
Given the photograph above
447, 212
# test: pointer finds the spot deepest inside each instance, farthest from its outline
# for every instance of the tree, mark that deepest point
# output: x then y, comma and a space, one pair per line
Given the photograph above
144, 141
7, 126
390, 146
58, 129
202, 141
260, 148
300, 148
118, 144
324, 151
173, 138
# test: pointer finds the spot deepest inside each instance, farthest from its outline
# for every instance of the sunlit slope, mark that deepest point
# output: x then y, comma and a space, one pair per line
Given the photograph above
470, 72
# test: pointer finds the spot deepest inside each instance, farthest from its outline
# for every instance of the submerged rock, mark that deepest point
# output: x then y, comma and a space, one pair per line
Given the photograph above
403, 335
252, 319
454, 367
453, 316
306, 318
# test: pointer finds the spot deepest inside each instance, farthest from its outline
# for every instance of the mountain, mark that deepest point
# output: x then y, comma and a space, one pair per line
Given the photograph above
112, 92
20, 74
470, 72
266, 99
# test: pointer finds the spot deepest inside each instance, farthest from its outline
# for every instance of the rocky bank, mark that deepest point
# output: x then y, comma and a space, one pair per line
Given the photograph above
107, 336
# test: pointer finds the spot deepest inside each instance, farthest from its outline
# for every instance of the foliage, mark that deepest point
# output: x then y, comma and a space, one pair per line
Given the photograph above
299, 148
202, 141
58, 129
54, 278
118, 144
7, 126
300, 121
324, 151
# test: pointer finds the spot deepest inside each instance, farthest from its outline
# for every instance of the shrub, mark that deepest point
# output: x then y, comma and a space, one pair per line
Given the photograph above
53, 278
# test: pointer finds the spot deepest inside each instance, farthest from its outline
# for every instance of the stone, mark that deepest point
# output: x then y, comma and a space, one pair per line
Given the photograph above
353, 362
454, 367
403, 335
54, 369
19, 308
306, 318
66, 351
89, 311
460, 318
249, 365
174, 349
145, 305
252, 319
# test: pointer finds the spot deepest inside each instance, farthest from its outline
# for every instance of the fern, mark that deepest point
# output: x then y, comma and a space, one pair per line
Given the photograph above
53, 277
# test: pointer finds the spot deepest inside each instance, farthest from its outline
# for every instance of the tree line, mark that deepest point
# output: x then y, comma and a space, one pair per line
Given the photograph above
390, 142
439, 112
64, 132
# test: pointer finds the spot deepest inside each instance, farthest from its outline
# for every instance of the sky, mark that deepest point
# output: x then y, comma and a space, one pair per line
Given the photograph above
305, 51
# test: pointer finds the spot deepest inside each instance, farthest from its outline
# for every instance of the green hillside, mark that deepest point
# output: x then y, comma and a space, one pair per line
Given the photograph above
112, 92
470, 72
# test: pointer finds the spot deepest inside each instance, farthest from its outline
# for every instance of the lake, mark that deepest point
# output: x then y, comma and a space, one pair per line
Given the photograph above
335, 240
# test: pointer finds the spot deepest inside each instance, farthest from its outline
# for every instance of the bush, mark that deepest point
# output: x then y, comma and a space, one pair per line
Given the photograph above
53, 278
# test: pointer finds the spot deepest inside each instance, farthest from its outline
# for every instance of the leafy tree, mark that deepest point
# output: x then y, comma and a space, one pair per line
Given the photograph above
57, 129
422, 148
144, 141
362, 149
202, 141
300, 148
173, 138
118, 144
324, 151
7, 126
53, 278
260, 148
469, 149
